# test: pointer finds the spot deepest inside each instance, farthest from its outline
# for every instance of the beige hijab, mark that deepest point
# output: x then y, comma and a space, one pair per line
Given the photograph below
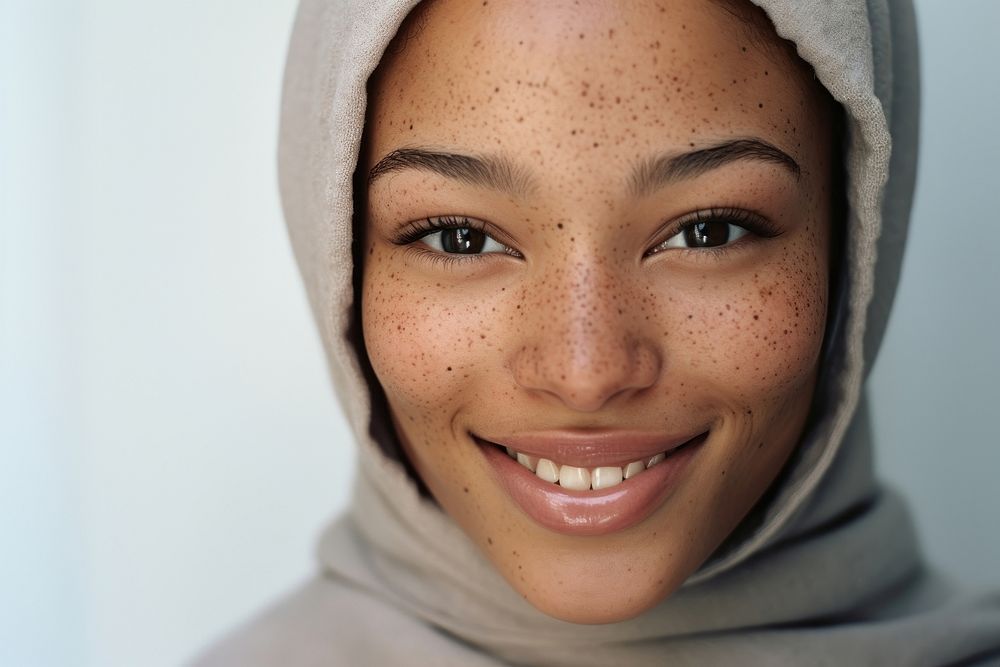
825, 571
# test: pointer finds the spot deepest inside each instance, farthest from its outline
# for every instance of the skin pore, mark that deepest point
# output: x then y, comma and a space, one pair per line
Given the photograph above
580, 152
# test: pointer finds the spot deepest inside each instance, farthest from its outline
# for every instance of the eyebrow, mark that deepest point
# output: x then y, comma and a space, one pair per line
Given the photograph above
493, 172
499, 173
656, 172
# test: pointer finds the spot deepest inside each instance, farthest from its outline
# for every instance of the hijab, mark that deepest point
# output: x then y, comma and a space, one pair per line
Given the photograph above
825, 570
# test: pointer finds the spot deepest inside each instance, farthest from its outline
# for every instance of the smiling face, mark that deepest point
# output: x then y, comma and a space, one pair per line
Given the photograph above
595, 233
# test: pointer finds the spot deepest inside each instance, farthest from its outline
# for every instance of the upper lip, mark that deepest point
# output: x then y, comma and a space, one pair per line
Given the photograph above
593, 448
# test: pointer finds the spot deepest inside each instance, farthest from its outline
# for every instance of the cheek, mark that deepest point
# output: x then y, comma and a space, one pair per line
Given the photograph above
757, 338
751, 353
431, 348
423, 342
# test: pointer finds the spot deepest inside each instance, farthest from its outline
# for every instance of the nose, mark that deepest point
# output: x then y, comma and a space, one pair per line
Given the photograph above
582, 343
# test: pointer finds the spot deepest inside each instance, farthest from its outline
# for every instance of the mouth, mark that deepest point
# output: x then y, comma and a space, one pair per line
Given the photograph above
590, 485
582, 478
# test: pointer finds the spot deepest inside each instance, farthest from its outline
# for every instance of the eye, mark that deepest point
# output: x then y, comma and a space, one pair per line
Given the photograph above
705, 234
463, 241
454, 237
715, 229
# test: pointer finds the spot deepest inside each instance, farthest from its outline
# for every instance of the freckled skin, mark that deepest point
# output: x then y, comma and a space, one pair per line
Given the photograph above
585, 329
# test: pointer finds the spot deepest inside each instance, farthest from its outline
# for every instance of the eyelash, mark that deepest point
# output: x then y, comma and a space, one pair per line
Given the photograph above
752, 222
418, 229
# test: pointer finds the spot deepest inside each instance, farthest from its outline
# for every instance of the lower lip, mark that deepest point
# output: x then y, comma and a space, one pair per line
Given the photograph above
595, 512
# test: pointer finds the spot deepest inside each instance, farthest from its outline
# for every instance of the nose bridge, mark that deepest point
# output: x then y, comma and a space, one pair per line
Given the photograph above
593, 316
585, 343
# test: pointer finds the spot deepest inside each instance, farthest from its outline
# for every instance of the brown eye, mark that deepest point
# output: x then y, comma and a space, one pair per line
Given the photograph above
460, 239
707, 234
463, 241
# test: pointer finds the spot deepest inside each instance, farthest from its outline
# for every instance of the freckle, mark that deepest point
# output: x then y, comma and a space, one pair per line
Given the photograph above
760, 445
489, 540
465, 488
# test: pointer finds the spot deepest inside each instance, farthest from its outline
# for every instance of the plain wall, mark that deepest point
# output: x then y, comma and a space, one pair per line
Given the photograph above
934, 386
170, 445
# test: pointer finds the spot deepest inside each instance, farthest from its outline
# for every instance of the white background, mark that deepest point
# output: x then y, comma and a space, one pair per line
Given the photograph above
169, 445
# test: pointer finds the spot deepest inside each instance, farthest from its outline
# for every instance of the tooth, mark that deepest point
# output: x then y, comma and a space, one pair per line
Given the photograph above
606, 476
511, 453
528, 462
633, 469
656, 459
547, 470
575, 478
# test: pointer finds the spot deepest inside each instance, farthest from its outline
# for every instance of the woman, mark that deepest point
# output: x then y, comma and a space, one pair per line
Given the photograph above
614, 294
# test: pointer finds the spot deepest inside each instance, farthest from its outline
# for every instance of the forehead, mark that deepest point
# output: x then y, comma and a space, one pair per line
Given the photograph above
595, 81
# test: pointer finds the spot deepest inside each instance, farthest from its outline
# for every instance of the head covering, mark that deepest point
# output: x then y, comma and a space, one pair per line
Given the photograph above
826, 570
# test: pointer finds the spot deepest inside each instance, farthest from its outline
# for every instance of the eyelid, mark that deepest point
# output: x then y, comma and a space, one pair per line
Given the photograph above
415, 230
753, 222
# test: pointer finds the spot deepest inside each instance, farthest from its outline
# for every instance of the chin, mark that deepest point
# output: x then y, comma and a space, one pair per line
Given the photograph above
615, 596
610, 611
598, 580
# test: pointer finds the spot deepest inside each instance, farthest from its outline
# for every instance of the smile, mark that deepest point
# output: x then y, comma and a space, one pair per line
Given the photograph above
587, 484
581, 479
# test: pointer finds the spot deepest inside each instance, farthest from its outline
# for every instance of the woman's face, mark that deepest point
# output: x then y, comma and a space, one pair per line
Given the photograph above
595, 233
